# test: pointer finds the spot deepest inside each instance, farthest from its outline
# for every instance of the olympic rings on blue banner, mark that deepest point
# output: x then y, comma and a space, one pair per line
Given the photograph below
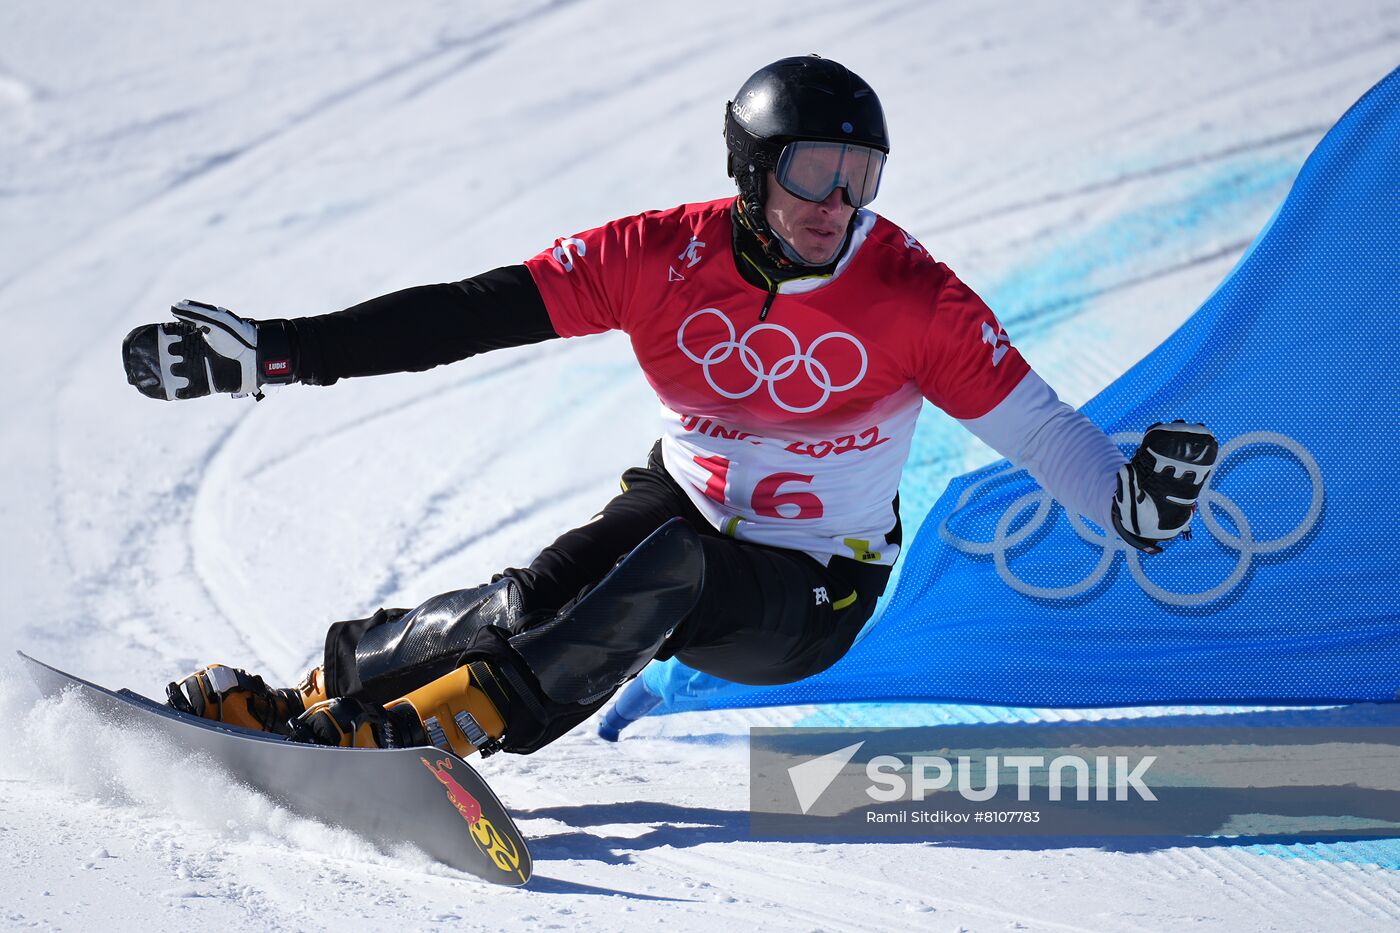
1241, 541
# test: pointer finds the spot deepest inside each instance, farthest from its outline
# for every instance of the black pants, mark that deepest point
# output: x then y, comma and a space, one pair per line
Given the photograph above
765, 615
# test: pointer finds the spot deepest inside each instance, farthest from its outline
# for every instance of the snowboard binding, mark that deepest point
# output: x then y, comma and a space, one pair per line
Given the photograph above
233, 696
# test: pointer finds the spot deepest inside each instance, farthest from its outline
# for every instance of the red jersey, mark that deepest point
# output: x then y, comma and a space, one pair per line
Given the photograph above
792, 430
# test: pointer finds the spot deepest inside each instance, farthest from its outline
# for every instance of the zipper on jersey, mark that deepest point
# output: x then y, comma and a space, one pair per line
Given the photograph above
772, 286
768, 302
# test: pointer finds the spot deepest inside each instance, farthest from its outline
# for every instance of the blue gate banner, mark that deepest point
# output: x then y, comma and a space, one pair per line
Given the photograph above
1288, 591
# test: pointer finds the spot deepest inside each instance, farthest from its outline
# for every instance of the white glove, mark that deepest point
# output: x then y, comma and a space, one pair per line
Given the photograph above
209, 349
1158, 488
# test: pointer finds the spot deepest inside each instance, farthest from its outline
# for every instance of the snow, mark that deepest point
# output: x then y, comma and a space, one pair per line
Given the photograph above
1093, 169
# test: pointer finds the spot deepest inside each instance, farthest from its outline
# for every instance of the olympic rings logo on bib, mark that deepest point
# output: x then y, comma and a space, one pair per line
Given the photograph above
1242, 540
799, 371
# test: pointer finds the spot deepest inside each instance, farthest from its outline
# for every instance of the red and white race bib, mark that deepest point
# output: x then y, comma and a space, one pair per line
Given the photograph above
790, 431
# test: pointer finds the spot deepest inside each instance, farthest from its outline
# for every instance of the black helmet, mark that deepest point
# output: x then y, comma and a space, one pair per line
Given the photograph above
806, 98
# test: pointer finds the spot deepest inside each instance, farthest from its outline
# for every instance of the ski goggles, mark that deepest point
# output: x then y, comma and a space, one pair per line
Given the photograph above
812, 170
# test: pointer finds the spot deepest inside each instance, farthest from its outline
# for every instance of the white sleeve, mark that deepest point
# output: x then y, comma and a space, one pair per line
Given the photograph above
1067, 454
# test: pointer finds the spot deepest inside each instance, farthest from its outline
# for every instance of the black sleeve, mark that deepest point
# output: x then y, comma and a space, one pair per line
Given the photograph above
419, 328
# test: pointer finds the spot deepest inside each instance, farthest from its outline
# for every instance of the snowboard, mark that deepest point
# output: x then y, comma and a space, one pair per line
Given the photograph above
425, 797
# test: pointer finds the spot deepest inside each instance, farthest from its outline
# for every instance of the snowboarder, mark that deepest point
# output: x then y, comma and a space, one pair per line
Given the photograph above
791, 335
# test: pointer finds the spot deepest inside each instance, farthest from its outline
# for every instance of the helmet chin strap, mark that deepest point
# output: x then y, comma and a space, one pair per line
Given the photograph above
750, 214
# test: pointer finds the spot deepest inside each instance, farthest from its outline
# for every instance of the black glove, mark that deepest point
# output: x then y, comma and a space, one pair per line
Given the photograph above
208, 349
1158, 488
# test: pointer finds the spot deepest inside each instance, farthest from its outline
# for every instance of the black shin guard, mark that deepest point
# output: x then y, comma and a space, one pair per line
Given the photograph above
394, 652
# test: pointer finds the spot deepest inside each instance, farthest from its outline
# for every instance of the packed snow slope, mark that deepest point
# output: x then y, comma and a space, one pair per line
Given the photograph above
1094, 169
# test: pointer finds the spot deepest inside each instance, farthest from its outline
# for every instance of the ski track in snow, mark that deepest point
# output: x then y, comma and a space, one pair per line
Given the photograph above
1110, 165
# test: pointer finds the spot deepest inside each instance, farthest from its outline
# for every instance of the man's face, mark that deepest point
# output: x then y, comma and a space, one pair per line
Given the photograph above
814, 229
